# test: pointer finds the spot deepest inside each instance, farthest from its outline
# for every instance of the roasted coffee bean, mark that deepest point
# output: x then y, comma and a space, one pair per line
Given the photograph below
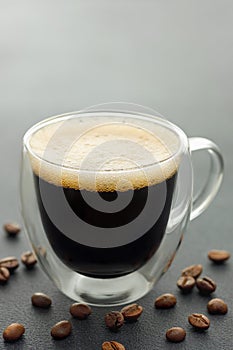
217, 307
206, 285
199, 321
13, 332
114, 320
175, 334
61, 330
12, 229
41, 300
80, 311
112, 345
10, 262
28, 259
132, 312
218, 256
193, 270
165, 301
4, 275
186, 283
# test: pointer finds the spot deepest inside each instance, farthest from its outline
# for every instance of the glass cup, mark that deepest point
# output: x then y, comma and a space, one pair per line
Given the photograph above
106, 196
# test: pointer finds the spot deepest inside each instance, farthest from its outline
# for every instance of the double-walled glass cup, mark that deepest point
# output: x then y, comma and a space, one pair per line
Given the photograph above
106, 196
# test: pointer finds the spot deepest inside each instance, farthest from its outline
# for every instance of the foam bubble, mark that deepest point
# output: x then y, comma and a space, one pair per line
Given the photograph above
103, 154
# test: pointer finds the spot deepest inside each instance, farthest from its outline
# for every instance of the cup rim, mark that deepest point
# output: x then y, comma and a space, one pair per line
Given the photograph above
183, 140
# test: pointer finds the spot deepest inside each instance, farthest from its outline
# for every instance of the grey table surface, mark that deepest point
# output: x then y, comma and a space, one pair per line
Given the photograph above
173, 56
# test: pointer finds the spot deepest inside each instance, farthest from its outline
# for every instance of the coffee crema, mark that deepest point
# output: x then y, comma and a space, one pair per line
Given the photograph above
104, 188
134, 149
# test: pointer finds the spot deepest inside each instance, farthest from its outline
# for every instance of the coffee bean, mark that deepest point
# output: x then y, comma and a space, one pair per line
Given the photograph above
193, 270
206, 285
112, 345
11, 263
114, 320
186, 283
217, 307
218, 256
199, 321
41, 300
61, 330
13, 332
165, 301
80, 311
4, 275
28, 259
132, 312
175, 334
12, 229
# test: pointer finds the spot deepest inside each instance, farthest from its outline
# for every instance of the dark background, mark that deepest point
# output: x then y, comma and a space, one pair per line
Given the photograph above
174, 56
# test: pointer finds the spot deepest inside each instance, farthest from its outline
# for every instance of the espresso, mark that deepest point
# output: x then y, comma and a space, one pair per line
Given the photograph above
105, 205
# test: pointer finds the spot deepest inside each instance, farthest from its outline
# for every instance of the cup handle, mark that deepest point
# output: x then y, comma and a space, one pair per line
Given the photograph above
202, 200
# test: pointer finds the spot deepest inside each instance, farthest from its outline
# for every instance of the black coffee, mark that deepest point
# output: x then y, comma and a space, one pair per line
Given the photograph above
85, 230
104, 262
